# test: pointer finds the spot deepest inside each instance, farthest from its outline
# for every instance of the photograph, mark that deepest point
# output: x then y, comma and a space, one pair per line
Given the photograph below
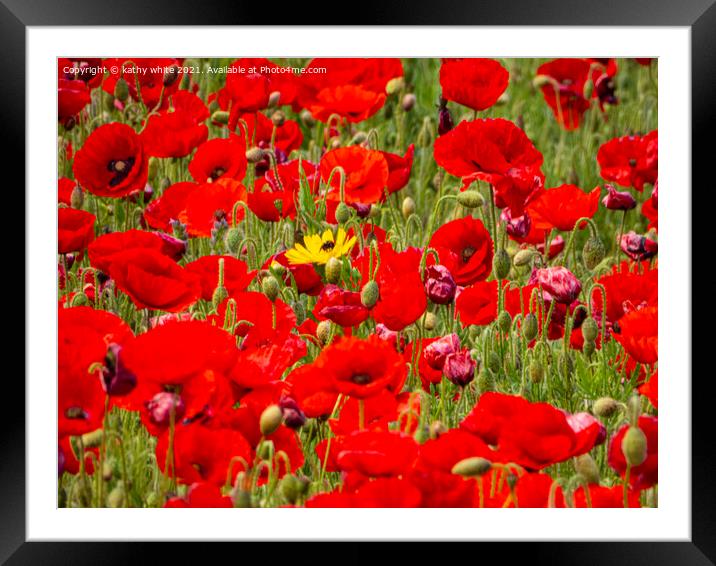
357, 282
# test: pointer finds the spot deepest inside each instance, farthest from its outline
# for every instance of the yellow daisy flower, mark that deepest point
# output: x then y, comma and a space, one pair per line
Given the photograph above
320, 248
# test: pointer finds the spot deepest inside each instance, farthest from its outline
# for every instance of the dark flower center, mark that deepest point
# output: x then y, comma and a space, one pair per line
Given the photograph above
467, 253
632, 162
216, 173
119, 168
361, 379
327, 246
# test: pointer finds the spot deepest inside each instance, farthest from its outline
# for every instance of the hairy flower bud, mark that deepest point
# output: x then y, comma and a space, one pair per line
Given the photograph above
429, 320
343, 213
536, 371
278, 118
121, 90
270, 287
593, 252
486, 381
270, 419
220, 294
370, 294
472, 467
501, 264
307, 119
323, 331
470, 199
587, 468
504, 321
408, 207
530, 327
634, 446
77, 197
605, 407
589, 329
408, 102
333, 270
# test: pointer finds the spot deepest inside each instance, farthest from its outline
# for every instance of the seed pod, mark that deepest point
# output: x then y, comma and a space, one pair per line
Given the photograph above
501, 264
408, 102
523, 257
408, 207
504, 321
593, 252
470, 199
343, 213
323, 331
536, 371
587, 468
270, 287
333, 270
121, 90
472, 467
589, 329
370, 294
634, 446
220, 117
271, 419
605, 407
530, 328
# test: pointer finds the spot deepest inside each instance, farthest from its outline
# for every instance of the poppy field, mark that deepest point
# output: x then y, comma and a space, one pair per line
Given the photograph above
357, 282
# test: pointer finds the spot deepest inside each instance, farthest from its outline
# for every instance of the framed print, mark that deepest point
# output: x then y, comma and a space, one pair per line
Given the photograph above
360, 283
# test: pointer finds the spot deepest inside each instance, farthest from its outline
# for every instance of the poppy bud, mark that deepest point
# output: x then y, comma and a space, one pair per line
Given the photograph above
472, 467
530, 327
634, 446
541, 80
501, 264
536, 371
334, 142
333, 270
618, 200
460, 368
323, 331
80, 300
444, 121
589, 348
270, 288
395, 85
408, 207
307, 119
359, 138
634, 409
470, 199
523, 257
436, 429
170, 76
437, 180
77, 197
293, 416
233, 239
486, 381
589, 329
255, 154
429, 321
493, 362
242, 499
274, 99
439, 284
437, 351
121, 90
160, 407
374, 211
343, 213
116, 496
503, 99
278, 118
587, 468
266, 450
369, 294
271, 419
93, 439
107, 471
300, 311
290, 488
605, 407
408, 102
220, 117
422, 434
220, 294
504, 321
593, 252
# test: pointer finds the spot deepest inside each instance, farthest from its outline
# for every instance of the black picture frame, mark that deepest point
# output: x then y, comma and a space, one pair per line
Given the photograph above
698, 15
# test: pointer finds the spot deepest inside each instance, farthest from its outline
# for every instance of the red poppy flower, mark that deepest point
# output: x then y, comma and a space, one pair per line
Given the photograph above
618, 200
273, 199
201, 495
75, 230
379, 493
399, 168
65, 186
475, 83
562, 206
204, 454
477, 304
219, 158
378, 411
211, 203
177, 132
312, 390
176, 352
340, 306
626, 291
375, 453
651, 212
566, 96
158, 79
465, 248
160, 213
102, 251
638, 333
112, 162
497, 152
646, 474
153, 281
72, 96
630, 161
305, 276
361, 368
605, 497
650, 389
427, 374
237, 276
637, 247
262, 132
557, 283
366, 173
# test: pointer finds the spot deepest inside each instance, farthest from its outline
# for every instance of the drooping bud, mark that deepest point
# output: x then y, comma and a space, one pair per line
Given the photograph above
590, 329
536, 371
307, 118
115, 498
530, 327
460, 368
501, 264
323, 331
333, 269
255, 154
270, 287
170, 76
437, 429
605, 407
278, 118
634, 446
233, 240
470, 199
408, 102
270, 419
266, 450
395, 85
408, 207
440, 285
121, 90
220, 294
589, 348
370, 294
80, 300
291, 488
504, 321
343, 213
523, 257
618, 200
587, 468
220, 117
472, 467
274, 99
542, 80
77, 197
593, 252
